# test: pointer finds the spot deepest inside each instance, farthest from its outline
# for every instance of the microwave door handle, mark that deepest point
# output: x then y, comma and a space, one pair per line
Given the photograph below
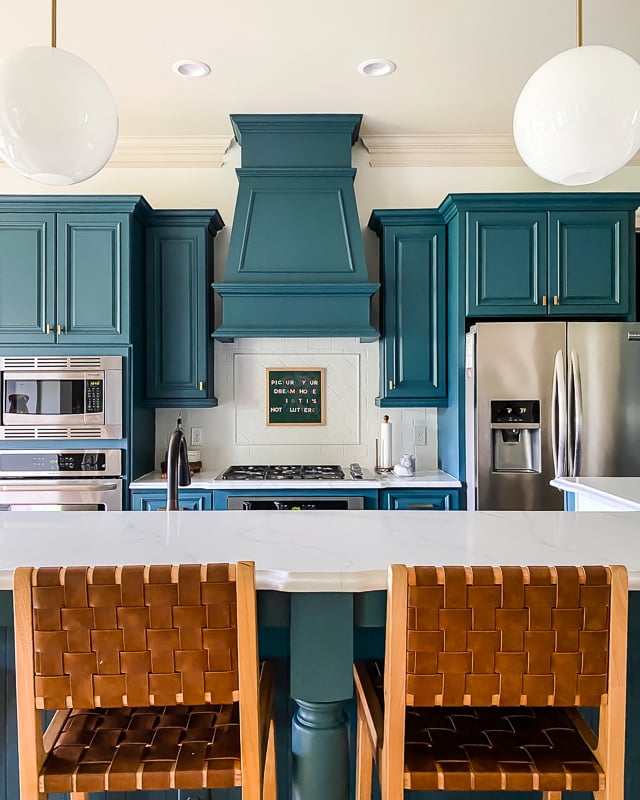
578, 414
559, 416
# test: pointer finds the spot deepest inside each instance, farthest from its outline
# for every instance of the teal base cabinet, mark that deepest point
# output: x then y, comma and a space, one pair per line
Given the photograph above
67, 269
420, 499
546, 255
413, 364
179, 272
156, 499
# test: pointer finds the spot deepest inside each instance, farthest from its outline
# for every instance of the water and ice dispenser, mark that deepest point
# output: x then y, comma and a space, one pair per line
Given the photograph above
515, 435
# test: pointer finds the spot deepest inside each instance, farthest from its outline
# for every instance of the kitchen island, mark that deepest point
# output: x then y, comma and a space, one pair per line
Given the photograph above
600, 494
321, 577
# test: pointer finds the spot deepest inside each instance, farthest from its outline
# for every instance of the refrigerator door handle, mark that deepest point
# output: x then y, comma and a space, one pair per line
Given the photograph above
571, 416
559, 416
576, 457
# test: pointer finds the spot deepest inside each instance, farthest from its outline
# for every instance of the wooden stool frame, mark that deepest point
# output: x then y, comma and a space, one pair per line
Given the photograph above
254, 693
381, 728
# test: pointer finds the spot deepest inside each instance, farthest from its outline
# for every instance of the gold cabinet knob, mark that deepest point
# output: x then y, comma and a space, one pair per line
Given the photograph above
544, 299
47, 328
59, 329
556, 300
391, 384
201, 386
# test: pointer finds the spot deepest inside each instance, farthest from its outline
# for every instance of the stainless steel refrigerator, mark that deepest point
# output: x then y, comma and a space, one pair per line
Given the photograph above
544, 399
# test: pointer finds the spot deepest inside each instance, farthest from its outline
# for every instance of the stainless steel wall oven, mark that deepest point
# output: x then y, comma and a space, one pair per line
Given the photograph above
60, 480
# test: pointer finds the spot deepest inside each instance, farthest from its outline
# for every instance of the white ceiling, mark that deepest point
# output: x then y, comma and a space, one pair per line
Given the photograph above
461, 63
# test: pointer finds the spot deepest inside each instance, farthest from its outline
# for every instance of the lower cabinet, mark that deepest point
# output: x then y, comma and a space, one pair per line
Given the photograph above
420, 499
156, 500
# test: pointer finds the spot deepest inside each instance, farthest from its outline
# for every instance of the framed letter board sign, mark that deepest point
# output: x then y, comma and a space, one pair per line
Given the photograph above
295, 396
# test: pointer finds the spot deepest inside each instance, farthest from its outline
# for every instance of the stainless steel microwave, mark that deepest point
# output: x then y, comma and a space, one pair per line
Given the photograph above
61, 397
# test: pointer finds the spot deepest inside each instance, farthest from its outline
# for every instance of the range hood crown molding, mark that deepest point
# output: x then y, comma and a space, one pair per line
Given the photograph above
296, 264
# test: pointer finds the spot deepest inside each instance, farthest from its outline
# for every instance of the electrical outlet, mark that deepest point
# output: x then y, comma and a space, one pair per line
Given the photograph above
419, 434
196, 436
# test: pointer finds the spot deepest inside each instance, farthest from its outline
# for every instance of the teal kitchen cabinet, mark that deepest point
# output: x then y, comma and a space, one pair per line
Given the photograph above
413, 308
179, 273
420, 499
65, 274
156, 499
542, 255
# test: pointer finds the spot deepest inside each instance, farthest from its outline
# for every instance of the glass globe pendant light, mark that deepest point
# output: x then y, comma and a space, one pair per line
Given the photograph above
58, 120
577, 119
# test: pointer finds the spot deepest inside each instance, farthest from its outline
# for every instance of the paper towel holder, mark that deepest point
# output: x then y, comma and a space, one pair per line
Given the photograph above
378, 467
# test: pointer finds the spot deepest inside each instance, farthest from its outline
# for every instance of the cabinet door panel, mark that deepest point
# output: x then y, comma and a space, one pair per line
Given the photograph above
177, 324
188, 500
27, 278
413, 344
507, 264
93, 253
589, 263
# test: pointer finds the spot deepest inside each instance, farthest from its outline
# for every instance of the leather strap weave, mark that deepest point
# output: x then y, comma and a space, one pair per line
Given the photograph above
135, 636
509, 636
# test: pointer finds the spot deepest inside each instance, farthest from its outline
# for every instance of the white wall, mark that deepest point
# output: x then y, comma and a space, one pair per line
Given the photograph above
233, 436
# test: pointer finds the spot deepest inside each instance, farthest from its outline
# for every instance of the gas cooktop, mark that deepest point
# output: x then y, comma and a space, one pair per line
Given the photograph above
305, 472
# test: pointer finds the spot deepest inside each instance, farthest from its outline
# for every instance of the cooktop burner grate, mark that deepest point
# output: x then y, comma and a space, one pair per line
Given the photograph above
284, 472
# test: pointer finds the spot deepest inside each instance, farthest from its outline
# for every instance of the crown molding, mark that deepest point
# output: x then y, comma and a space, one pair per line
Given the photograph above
148, 152
170, 151
446, 150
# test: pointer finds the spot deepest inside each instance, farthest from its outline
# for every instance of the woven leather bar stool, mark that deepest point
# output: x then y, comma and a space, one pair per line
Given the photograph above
484, 670
153, 674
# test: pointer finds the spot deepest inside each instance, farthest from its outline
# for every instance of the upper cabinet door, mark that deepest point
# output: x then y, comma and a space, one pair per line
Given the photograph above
589, 263
27, 278
413, 345
507, 263
179, 344
93, 278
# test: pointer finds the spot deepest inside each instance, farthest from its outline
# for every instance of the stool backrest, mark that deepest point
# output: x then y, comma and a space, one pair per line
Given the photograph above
135, 636
507, 636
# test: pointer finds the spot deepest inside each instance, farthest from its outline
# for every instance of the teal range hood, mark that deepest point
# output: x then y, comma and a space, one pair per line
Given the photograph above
296, 263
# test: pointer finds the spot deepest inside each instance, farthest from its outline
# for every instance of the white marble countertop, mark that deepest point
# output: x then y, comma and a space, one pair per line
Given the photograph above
319, 551
623, 493
435, 479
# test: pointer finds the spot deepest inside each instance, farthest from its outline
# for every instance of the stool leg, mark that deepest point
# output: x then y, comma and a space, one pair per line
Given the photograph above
364, 759
551, 795
79, 795
270, 778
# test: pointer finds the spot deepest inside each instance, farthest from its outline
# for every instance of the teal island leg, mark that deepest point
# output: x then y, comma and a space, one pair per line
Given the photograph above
321, 684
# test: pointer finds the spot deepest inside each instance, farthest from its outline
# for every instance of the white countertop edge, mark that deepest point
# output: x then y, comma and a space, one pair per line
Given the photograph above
300, 582
595, 489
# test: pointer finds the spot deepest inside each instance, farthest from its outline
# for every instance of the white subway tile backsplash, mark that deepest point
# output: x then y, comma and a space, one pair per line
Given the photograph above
236, 431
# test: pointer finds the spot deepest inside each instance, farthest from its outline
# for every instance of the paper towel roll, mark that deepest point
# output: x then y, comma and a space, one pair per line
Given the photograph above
385, 444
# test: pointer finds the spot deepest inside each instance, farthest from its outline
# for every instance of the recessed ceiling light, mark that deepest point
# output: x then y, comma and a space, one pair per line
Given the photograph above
189, 68
376, 67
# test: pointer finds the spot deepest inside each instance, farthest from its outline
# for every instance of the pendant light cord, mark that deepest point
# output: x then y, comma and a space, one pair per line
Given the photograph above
54, 6
578, 23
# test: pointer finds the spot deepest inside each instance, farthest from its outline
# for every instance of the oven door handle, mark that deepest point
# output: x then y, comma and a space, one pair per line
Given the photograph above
67, 486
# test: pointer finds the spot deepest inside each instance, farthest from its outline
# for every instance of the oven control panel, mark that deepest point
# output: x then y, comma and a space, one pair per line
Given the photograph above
61, 463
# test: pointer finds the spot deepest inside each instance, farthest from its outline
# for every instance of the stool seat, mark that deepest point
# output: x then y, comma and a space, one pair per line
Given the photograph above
498, 748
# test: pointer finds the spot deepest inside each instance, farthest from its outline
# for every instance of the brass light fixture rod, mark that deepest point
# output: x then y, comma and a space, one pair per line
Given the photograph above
579, 23
54, 14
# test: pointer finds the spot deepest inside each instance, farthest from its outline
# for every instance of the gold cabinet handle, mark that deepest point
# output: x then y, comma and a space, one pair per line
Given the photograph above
47, 328
58, 329
201, 386
556, 300
544, 299
391, 384
420, 505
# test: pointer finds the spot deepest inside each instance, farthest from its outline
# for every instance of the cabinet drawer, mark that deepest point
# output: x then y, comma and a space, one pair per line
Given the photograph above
156, 500
420, 500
